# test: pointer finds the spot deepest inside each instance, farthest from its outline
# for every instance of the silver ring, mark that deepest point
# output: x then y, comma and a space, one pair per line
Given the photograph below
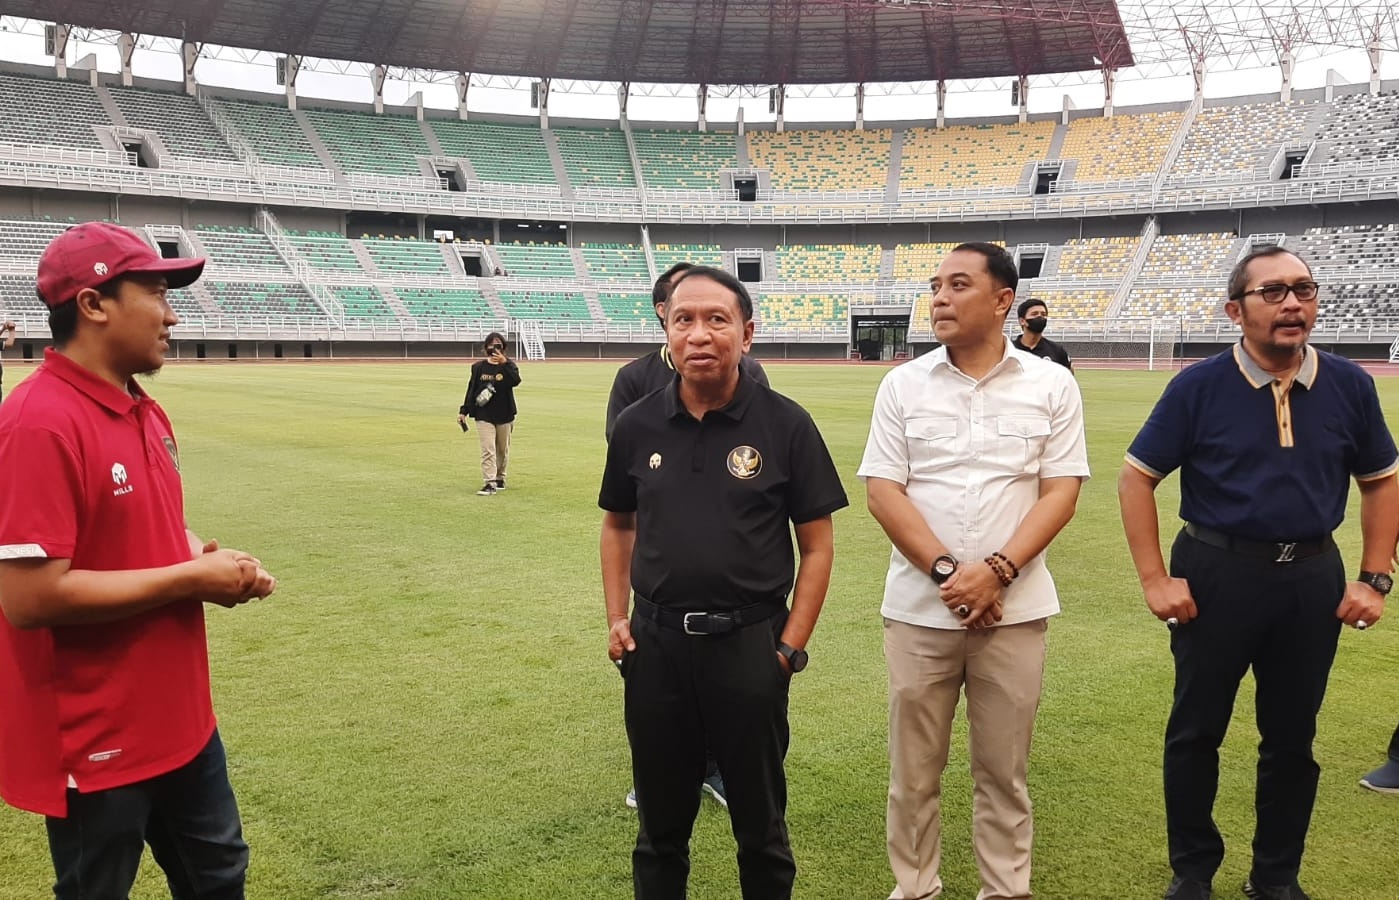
1172, 622
1361, 625
964, 610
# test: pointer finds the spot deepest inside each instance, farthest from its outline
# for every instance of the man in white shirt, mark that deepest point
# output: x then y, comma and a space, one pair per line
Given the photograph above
975, 457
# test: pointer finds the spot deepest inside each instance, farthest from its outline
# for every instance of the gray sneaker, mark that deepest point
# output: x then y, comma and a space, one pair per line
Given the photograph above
1187, 889
1385, 779
1291, 891
500, 484
487, 489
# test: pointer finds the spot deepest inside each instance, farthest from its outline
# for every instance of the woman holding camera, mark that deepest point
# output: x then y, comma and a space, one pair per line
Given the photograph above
490, 400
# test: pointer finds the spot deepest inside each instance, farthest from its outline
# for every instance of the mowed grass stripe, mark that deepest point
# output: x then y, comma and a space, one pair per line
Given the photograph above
424, 709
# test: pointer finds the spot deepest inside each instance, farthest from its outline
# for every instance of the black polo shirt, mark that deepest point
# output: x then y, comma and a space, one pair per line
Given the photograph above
1046, 349
714, 498
1259, 463
652, 372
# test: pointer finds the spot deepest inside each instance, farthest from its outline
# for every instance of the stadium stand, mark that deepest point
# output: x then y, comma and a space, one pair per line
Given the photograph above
232, 246
968, 157
1123, 147
823, 160
183, 126
1198, 303
802, 309
502, 154
367, 143
1097, 258
536, 260
1071, 303
1202, 261
667, 255
565, 305
1357, 266
684, 160
1360, 130
595, 157
455, 303
829, 262
612, 262
626, 307
247, 298
362, 302
50, 112
918, 262
327, 250
1240, 139
272, 132
404, 255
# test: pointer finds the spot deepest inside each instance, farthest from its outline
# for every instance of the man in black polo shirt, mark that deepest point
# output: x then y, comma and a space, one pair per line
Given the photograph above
1034, 318
1267, 436
655, 370
637, 379
704, 483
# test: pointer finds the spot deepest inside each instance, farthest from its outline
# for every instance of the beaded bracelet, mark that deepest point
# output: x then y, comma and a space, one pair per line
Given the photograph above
1014, 569
1000, 570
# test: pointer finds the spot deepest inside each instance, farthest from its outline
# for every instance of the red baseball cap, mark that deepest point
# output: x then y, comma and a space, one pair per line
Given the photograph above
94, 253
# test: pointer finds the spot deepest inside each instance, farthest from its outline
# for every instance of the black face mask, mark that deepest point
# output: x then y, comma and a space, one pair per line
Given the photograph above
1037, 324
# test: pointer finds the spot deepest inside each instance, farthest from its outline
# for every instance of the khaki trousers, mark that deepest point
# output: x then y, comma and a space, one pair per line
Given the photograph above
495, 449
1002, 670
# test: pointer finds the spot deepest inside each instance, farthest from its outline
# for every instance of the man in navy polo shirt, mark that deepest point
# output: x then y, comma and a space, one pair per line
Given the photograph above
106, 724
705, 483
1267, 436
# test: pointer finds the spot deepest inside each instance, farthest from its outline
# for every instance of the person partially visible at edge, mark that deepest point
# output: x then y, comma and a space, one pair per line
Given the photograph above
655, 370
108, 727
974, 463
1267, 436
705, 484
1034, 319
8, 331
490, 400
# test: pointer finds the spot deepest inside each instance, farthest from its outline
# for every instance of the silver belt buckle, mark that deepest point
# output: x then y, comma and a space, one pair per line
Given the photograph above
1285, 552
686, 622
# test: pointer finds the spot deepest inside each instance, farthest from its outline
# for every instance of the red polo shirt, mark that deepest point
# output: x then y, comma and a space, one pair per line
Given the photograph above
90, 473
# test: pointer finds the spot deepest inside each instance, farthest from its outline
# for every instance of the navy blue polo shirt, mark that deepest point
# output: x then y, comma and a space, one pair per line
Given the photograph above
715, 498
1261, 463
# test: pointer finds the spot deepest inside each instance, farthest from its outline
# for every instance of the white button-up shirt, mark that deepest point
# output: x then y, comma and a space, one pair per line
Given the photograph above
970, 455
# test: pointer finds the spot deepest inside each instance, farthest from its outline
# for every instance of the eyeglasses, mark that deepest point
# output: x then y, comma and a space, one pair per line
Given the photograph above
1304, 291
493, 348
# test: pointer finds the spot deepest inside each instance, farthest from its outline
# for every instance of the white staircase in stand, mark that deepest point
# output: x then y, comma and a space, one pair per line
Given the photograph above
531, 339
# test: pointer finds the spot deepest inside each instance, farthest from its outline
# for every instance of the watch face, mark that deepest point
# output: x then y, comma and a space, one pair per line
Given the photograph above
943, 567
1383, 583
798, 660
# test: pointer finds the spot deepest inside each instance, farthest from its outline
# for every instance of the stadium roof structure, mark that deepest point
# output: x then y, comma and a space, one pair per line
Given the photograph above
725, 42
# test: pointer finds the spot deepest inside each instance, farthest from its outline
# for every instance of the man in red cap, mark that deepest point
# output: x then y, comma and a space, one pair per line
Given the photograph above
109, 730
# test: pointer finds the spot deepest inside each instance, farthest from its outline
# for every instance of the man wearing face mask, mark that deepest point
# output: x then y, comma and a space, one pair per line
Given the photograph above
1034, 316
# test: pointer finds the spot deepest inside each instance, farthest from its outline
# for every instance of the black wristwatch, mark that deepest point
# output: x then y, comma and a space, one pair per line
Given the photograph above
943, 567
796, 659
1380, 581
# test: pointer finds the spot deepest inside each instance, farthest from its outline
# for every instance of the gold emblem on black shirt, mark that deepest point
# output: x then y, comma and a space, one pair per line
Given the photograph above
655, 461
745, 462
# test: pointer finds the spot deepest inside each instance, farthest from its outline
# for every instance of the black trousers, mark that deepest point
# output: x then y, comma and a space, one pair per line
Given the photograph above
188, 817
1394, 746
728, 693
1280, 620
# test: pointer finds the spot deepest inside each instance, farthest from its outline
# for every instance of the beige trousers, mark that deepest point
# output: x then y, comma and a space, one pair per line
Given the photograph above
495, 449
1002, 670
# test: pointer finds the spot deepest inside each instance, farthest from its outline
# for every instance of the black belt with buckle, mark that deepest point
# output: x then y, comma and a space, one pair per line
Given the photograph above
1271, 551
707, 622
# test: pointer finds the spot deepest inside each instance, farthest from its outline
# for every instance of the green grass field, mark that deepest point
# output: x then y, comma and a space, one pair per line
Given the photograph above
425, 709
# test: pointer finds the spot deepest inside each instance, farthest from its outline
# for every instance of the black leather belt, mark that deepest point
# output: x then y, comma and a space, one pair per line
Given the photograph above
707, 622
1271, 551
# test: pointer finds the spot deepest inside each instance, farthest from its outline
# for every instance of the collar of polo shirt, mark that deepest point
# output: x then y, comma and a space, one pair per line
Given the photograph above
1306, 373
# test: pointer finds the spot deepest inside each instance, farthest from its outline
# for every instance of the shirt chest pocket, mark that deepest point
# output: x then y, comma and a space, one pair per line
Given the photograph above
1019, 441
932, 442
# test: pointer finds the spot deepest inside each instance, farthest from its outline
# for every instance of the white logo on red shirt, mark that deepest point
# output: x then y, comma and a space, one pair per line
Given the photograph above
103, 756
119, 479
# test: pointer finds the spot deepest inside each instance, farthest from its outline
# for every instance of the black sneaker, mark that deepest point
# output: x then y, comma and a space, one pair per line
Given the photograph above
1187, 889
500, 484
1291, 891
486, 490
